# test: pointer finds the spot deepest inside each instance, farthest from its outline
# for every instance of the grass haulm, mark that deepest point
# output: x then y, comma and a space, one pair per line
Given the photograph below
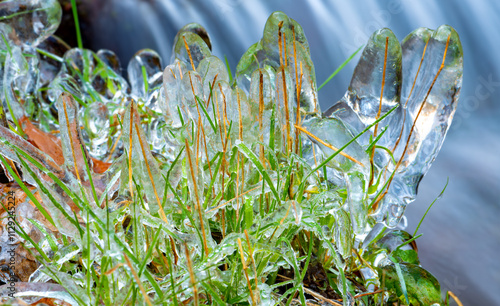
245, 202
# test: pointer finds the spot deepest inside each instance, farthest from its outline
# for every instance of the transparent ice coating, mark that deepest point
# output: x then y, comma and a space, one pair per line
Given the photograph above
170, 103
269, 53
142, 162
432, 118
49, 67
359, 107
144, 72
19, 82
107, 77
195, 37
28, 22
96, 123
333, 132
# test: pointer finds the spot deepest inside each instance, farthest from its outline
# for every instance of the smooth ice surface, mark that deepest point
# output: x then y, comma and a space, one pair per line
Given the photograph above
28, 22
426, 103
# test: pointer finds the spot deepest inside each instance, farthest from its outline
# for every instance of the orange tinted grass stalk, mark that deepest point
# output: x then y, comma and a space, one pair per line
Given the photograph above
198, 206
228, 201
281, 221
238, 187
224, 115
189, 52
130, 150
110, 271
280, 38
240, 136
328, 145
138, 280
375, 205
297, 87
240, 130
70, 140
206, 154
211, 90
372, 153
457, 300
261, 113
253, 261
174, 251
283, 63
298, 119
162, 212
368, 293
191, 275
199, 125
180, 70
246, 273
172, 72
114, 146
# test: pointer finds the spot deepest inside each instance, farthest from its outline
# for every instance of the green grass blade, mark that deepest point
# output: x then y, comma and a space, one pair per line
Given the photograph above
430, 206
77, 24
339, 68
327, 160
145, 79
150, 250
401, 278
27, 191
228, 70
204, 109
255, 160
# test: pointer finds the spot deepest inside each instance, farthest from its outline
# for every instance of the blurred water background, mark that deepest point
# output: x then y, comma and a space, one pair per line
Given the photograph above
461, 241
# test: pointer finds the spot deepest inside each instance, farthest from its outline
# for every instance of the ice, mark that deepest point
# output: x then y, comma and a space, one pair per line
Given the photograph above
269, 54
144, 73
142, 161
272, 101
107, 77
191, 88
360, 105
96, 123
19, 82
49, 67
28, 22
210, 67
359, 108
170, 103
431, 114
197, 46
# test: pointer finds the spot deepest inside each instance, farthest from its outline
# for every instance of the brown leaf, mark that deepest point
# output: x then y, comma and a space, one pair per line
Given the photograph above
99, 166
51, 145
46, 142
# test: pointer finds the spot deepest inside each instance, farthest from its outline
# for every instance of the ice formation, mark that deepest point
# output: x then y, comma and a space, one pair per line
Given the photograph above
272, 98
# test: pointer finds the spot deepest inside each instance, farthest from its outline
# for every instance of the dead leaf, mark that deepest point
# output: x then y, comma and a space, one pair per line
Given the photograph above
51, 145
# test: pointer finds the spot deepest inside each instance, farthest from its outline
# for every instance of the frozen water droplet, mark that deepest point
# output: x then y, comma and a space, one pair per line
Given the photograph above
144, 72
170, 104
96, 123
198, 48
49, 67
191, 87
209, 67
29, 21
196, 29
